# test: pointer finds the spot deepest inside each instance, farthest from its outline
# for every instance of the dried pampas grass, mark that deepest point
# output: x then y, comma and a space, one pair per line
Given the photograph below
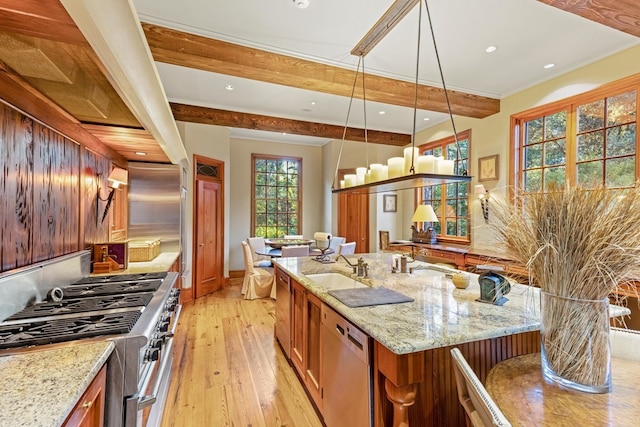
578, 244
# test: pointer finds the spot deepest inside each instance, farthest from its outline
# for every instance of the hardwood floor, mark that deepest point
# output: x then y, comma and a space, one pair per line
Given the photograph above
229, 370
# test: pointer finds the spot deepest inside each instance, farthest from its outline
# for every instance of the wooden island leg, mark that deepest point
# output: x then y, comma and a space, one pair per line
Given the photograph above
402, 398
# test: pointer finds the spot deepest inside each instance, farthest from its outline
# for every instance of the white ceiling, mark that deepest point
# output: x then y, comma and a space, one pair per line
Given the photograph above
528, 34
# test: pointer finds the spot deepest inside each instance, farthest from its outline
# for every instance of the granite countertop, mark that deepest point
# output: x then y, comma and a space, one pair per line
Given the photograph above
162, 262
440, 315
41, 387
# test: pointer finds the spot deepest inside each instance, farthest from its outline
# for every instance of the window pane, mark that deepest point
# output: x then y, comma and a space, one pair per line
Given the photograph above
621, 140
554, 176
533, 180
275, 197
621, 172
590, 174
463, 207
590, 146
533, 156
554, 152
591, 116
621, 109
555, 125
533, 131
463, 227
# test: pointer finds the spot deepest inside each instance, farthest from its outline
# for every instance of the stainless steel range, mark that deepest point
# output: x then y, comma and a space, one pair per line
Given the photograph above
138, 312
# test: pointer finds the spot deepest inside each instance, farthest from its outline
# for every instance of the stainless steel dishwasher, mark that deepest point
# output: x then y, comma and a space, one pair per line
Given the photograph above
346, 372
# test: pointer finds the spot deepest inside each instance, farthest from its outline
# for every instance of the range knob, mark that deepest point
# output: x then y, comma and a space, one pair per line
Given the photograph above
163, 323
152, 354
171, 304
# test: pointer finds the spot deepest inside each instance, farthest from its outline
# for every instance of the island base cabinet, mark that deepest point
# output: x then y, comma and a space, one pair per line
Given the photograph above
305, 339
89, 411
423, 385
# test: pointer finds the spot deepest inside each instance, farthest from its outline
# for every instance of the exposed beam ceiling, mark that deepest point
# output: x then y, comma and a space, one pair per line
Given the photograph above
189, 113
188, 50
623, 15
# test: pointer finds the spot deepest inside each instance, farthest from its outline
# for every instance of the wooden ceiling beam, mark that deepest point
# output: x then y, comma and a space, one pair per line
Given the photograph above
188, 50
398, 10
623, 15
212, 116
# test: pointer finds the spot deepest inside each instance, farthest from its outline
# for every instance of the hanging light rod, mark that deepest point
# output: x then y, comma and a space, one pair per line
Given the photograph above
398, 10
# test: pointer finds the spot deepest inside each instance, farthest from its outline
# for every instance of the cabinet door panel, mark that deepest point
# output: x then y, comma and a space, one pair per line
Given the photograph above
313, 348
298, 328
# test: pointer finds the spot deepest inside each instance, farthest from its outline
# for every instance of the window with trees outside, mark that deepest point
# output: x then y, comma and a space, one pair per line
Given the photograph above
276, 201
450, 201
589, 139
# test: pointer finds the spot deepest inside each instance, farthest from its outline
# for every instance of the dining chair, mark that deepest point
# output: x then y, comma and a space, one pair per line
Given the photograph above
481, 410
335, 242
257, 245
346, 248
295, 251
625, 343
293, 236
259, 282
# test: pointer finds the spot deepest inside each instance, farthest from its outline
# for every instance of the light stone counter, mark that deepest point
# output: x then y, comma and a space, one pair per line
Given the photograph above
41, 387
162, 262
440, 314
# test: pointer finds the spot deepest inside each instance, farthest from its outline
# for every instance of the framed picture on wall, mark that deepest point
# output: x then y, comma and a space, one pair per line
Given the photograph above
389, 203
488, 168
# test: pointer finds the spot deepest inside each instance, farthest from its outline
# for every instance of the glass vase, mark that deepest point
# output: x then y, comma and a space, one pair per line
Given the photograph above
575, 342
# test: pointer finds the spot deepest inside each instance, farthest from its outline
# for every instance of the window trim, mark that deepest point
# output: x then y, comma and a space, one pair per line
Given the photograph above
571, 105
257, 156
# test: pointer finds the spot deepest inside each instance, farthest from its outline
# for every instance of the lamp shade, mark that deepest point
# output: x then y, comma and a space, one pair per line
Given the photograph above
118, 176
424, 213
479, 190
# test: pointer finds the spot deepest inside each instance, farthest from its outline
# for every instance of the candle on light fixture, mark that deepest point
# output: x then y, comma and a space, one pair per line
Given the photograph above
376, 171
360, 173
410, 155
445, 167
396, 167
349, 180
425, 164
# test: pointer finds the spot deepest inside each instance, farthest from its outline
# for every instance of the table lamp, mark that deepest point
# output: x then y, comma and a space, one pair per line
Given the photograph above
424, 213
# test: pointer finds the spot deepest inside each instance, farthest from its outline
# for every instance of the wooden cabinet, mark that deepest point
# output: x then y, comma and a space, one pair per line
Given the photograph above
442, 256
89, 411
305, 339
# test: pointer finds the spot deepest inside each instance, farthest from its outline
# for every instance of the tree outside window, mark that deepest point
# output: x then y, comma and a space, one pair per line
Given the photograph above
276, 196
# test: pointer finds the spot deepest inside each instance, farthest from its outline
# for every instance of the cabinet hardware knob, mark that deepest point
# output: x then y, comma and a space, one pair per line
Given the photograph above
88, 404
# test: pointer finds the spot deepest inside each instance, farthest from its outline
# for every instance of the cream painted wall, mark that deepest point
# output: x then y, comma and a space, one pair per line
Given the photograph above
240, 190
491, 135
212, 142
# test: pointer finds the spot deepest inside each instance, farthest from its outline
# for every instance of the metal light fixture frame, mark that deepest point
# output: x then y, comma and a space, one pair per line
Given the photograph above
117, 177
413, 180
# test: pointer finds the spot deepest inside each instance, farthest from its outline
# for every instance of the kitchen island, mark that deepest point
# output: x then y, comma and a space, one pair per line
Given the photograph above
413, 378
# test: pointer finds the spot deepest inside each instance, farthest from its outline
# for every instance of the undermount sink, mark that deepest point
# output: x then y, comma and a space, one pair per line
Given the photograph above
335, 281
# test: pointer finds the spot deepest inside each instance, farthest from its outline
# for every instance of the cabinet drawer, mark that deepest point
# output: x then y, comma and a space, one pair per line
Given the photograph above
89, 411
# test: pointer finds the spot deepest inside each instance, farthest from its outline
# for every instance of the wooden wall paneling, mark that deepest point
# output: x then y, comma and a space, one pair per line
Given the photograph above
3, 155
95, 170
56, 167
17, 200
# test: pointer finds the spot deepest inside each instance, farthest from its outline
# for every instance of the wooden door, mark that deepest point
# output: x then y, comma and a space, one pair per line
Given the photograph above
313, 325
353, 219
209, 242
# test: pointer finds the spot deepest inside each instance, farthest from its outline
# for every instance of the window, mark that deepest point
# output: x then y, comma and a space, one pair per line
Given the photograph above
589, 139
450, 201
277, 196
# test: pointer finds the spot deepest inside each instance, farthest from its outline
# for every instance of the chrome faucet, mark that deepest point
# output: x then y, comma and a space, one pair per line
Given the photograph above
361, 268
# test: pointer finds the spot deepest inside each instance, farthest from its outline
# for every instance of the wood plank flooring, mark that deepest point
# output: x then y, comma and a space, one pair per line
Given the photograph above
229, 370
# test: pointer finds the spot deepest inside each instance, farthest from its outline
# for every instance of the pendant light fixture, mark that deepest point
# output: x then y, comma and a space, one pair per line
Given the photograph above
416, 172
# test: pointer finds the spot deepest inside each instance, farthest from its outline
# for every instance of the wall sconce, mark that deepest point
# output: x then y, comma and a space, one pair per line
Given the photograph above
424, 213
484, 197
116, 177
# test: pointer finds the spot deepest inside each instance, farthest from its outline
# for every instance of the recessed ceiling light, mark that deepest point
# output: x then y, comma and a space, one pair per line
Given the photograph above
425, 119
302, 4
549, 66
313, 102
382, 112
284, 133
491, 49
228, 87
141, 153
